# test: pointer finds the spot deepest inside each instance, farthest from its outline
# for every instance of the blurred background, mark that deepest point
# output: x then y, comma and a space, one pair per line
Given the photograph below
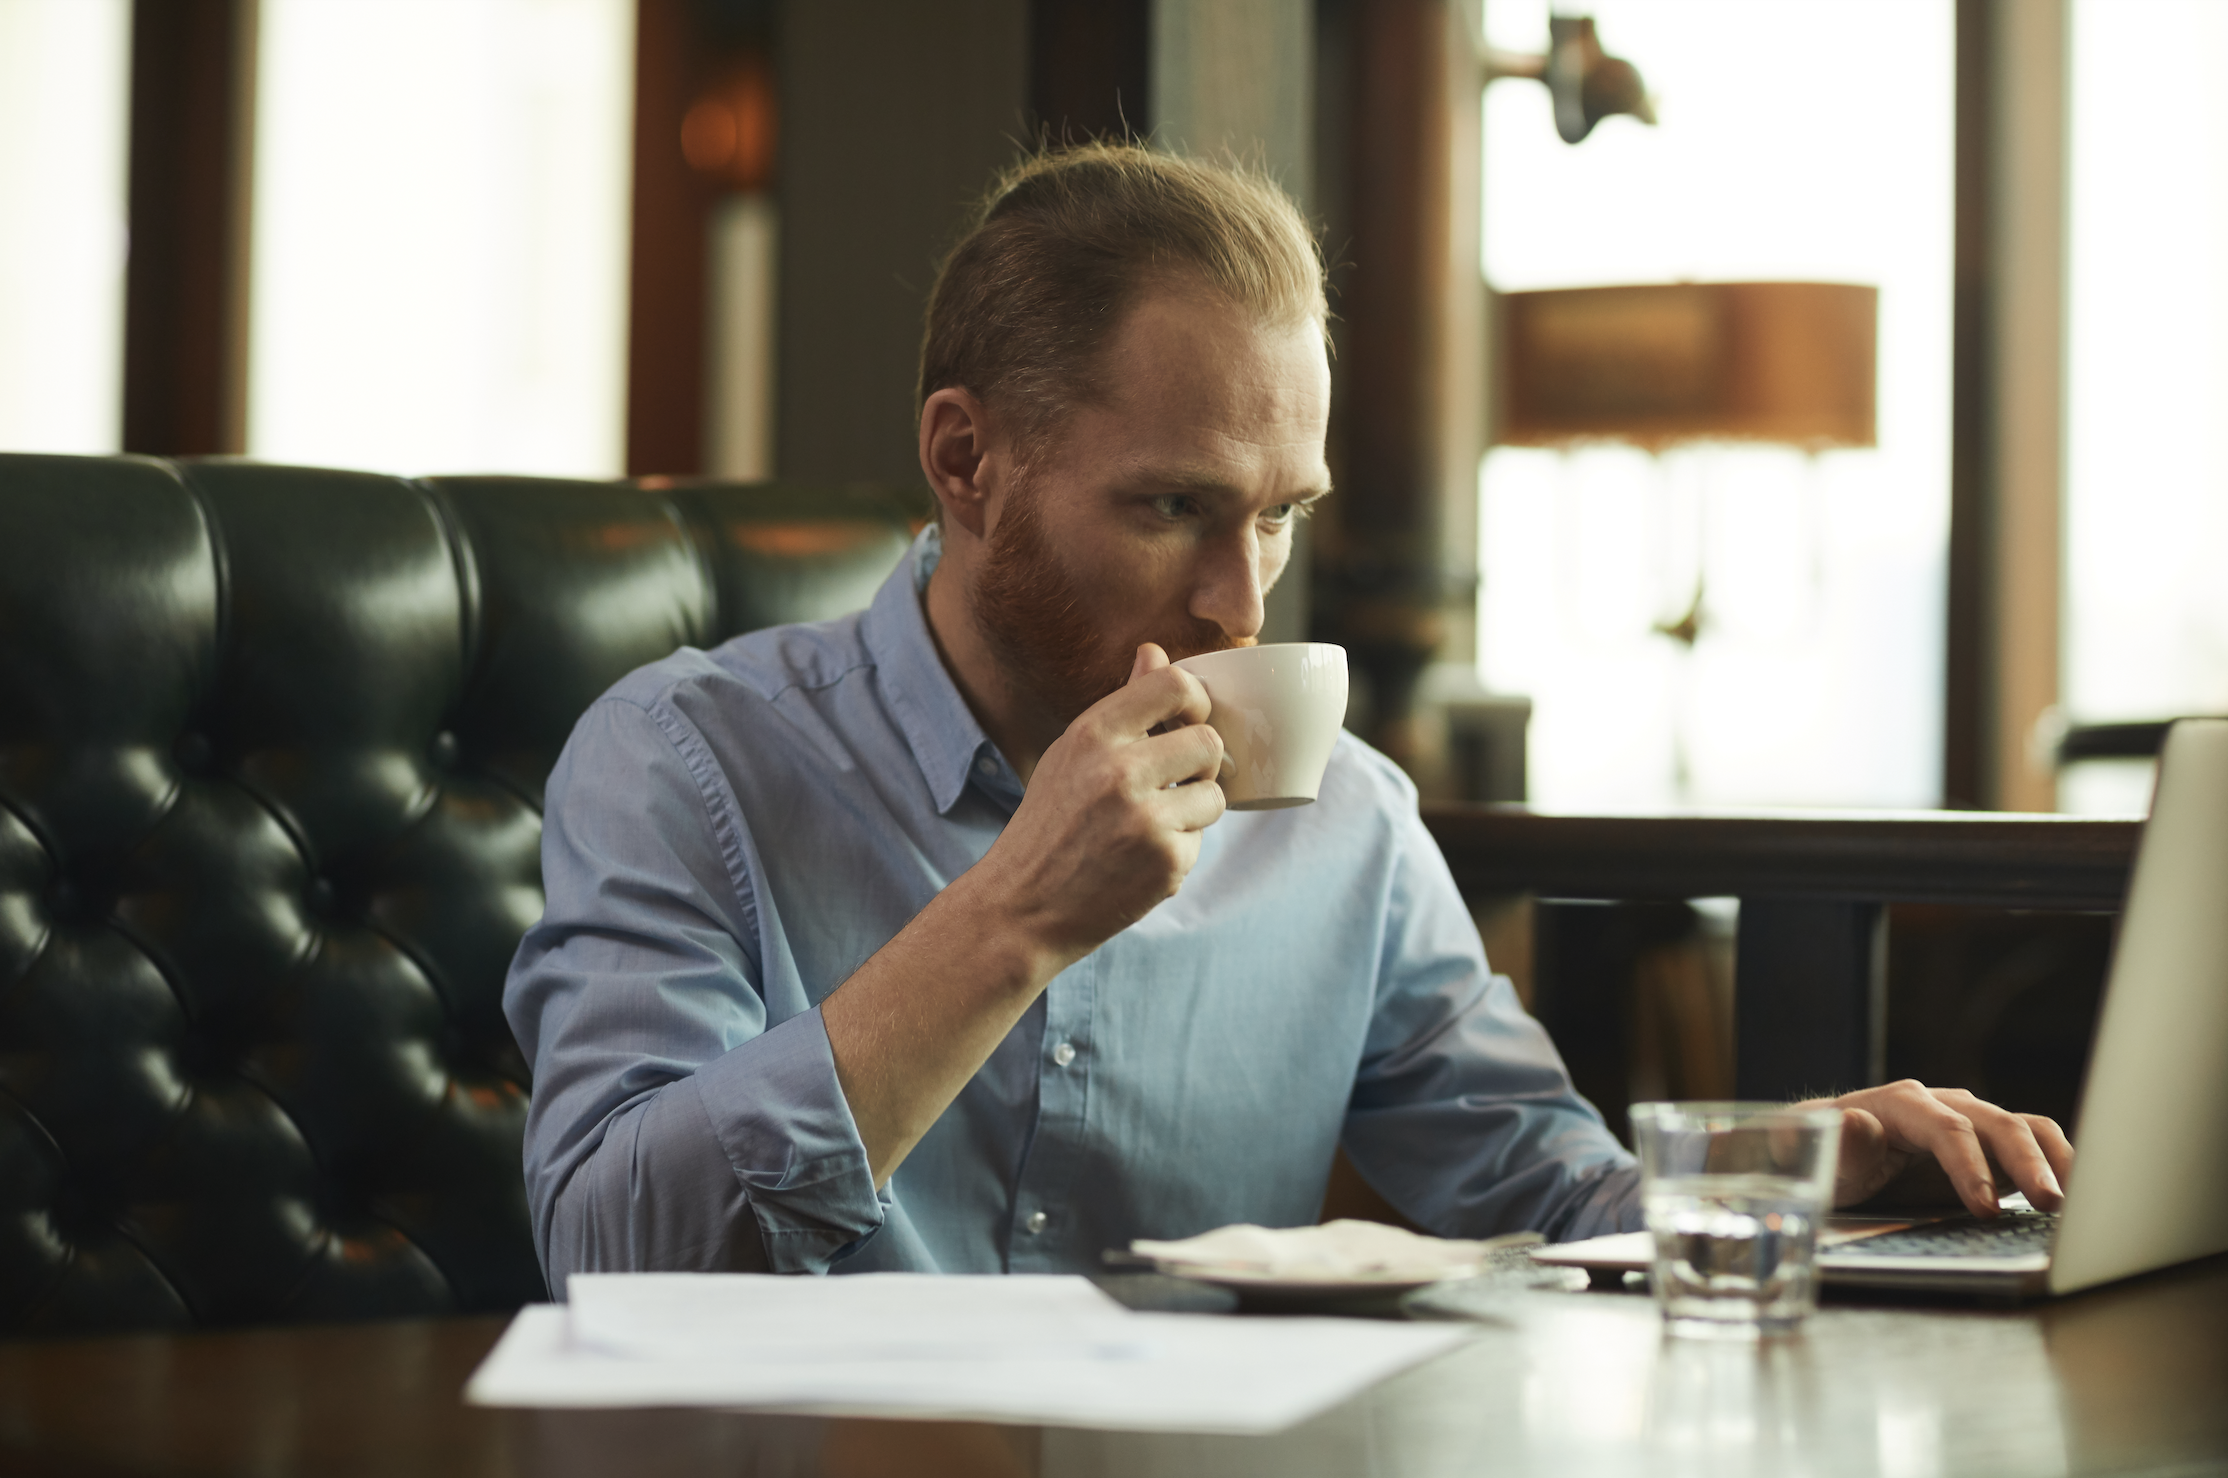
1959, 541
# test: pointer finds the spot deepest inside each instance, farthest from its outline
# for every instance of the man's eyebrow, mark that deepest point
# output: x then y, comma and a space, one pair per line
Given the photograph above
1191, 480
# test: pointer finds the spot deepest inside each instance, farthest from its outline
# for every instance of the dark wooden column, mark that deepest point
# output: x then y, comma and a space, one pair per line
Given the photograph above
1090, 69
895, 116
666, 287
699, 65
183, 367
1968, 731
2007, 400
1377, 562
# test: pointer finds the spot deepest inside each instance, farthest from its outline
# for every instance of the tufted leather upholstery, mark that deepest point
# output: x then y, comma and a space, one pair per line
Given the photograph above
272, 748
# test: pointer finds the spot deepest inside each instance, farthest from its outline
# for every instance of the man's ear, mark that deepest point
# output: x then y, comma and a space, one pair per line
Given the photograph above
955, 439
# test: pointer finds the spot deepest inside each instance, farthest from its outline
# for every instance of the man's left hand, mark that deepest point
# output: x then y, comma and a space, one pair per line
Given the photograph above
1917, 1142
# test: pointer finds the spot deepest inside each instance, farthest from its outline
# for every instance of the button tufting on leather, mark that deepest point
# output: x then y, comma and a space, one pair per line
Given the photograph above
444, 750
65, 902
323, 901
202, 1054
193, 753
74, 901
74, 1215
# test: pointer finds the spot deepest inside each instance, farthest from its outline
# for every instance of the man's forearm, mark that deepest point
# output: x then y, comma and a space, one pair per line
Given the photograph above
1106, 833
917, 1020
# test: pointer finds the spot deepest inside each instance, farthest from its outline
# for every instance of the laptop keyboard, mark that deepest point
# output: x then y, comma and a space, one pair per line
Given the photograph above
2013, 1234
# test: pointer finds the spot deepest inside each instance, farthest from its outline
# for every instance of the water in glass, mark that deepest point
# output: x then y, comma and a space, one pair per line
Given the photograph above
1733, 1253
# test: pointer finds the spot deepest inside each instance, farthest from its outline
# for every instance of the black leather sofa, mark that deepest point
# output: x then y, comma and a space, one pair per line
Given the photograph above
272, 748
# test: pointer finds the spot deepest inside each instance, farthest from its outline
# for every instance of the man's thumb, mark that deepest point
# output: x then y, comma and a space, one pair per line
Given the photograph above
1150, 658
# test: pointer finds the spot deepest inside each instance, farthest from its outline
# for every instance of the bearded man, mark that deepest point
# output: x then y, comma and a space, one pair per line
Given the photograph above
920, 940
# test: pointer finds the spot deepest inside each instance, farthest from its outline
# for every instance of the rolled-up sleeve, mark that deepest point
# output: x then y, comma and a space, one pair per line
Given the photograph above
1463, 1115
677, 1123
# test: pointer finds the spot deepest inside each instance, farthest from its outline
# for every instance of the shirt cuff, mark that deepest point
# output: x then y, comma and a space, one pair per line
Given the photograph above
787, 1130
1609, 1202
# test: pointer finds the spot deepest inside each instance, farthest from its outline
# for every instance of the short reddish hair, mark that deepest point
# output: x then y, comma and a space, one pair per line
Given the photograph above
1065, 244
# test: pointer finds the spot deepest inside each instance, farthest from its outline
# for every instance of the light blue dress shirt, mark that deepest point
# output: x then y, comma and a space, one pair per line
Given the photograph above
730, 834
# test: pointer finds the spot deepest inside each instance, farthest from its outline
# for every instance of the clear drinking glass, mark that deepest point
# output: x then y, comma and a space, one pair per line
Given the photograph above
1735, 1195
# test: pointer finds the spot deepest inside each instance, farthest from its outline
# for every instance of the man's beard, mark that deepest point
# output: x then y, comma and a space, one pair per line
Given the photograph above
1033, 615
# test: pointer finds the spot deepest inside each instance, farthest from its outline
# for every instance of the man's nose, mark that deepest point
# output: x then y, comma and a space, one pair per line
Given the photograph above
1231, 583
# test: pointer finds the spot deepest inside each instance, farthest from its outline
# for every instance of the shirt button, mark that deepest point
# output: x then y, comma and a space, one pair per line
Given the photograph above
987, 765
1035, 1223
1063, 1054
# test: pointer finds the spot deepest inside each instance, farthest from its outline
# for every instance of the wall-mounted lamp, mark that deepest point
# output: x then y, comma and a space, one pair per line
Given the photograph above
1677, 364
1587, 83
1659, 365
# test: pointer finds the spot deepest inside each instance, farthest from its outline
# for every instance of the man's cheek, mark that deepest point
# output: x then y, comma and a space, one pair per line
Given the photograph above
1276, 554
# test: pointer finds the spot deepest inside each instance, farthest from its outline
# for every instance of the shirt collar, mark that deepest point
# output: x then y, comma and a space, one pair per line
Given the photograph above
941, 730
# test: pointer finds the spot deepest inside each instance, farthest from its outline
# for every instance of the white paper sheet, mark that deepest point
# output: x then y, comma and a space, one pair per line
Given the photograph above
1042, 1350
873, 1316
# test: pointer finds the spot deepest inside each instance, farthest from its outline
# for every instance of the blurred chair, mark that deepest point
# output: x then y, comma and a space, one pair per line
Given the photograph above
2101, 768
2138, 740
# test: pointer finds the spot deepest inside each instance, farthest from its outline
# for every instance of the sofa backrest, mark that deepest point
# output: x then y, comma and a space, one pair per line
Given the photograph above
272, 749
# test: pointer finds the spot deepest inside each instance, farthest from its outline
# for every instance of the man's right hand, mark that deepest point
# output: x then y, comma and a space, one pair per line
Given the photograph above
1109, 827
1106, 830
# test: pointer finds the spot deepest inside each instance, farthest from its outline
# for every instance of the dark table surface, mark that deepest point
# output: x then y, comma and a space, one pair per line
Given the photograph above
2121, 1380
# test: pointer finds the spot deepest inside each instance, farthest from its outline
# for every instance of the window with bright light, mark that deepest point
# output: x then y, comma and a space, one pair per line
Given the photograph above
2146, 559
65, 69
1809, 142
440, 240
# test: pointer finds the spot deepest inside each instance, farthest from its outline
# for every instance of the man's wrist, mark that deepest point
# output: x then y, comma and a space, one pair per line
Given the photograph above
1015, 942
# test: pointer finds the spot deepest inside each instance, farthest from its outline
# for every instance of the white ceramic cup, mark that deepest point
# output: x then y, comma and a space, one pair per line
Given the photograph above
1278, 709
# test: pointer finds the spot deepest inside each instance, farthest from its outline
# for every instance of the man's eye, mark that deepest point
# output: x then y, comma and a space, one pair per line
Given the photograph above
1284, 513
1173, 506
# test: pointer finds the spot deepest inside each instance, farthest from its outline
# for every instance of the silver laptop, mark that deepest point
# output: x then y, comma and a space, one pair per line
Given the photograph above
2150, 1181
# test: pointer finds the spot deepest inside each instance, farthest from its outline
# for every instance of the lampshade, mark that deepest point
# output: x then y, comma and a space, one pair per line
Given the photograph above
1658, 365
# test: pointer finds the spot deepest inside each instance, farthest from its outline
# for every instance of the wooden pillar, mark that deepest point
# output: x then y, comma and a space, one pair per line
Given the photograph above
185, 308
2007, 418
895, 116
666, 289
705, 117
1380, 560
1090, 69
2029, 443
1965, 718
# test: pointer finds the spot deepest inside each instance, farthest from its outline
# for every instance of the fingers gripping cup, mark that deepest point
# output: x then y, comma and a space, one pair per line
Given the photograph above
1735, 1194
1278, 709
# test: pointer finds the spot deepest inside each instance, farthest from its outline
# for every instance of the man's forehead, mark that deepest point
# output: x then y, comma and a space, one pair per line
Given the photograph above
1208, 361
1178, 320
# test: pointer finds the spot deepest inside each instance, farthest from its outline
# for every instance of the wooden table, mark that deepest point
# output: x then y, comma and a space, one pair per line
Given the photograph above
2123, 1380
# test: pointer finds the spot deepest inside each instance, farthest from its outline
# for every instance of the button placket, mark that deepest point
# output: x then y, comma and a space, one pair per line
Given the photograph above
1063, 1078
1047, 1179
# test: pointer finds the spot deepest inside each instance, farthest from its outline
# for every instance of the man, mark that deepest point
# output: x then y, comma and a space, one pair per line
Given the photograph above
920, 940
